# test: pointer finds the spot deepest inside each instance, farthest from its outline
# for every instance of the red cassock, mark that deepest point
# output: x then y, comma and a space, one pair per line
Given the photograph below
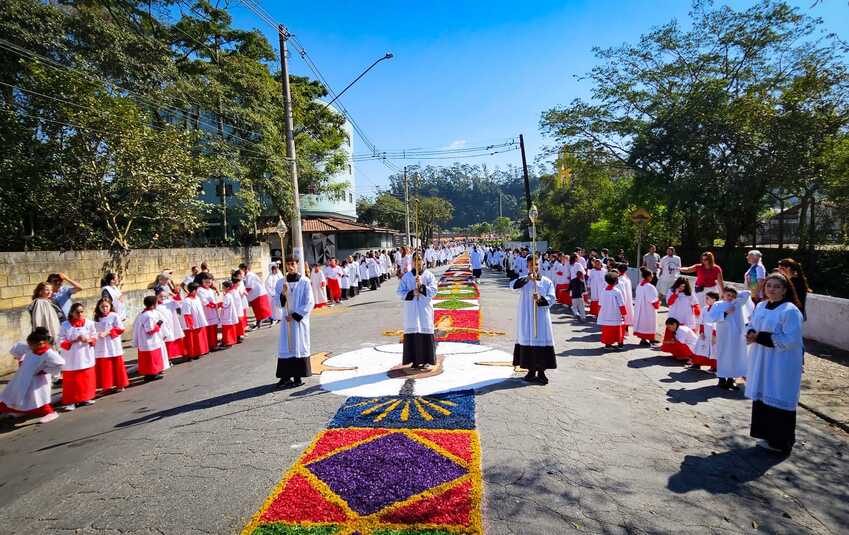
612, 334
211, 336
334, 289
229, 334
78, 385
676, 349
150, 362
176, 348
111, 373
44, 410
564, 297
262, 307
595, 308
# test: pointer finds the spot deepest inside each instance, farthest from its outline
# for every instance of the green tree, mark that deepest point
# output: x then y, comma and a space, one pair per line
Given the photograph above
433, 213
385, 211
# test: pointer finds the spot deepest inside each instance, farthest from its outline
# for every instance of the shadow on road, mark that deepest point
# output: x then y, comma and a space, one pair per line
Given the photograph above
658, 360
723, 473
700, 395
688, 375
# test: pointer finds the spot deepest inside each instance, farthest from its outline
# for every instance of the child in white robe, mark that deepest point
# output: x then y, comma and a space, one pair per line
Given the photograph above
28, 392
612, 312
274, 276
208, 297
293, 351
679, 340
169, 307
147, 338
731, 316
627, 289
108, 349
77, 338
194, 316
705, 350
319, 285
646, 304
596, 285
231, 306
683, 305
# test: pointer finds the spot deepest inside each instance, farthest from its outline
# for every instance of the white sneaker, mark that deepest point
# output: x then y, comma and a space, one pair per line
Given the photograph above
47, 418
69, 407
86, 403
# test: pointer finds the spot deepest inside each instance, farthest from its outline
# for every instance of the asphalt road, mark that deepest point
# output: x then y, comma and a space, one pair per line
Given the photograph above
626, 442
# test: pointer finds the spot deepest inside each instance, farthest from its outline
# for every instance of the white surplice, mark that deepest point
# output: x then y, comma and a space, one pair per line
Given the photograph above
29, 388
528, 309
418, 313
299, 300
645, 315
775, 373
731, 318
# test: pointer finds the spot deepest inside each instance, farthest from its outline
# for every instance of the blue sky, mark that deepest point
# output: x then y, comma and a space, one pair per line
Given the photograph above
467, 73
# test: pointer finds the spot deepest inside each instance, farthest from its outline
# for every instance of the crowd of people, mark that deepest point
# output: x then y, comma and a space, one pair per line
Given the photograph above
753, 335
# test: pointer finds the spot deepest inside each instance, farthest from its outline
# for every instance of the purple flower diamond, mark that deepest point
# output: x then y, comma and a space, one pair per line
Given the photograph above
384, 471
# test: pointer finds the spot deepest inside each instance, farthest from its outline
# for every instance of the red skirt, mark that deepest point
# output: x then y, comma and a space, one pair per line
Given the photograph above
676, 349
44, 410
595, 308
564, 297
111, 373
700, 360
334, 289
150, 362
229, 334
651, 337
78, 385
262, 307
175, 348
211, 336
612, 334
242, 326
195, 342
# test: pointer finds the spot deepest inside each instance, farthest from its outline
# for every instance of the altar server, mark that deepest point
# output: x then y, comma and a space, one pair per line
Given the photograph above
169, 307
319, 285
476, 260
109, 290
344, 280
194, 316
596, 285
417, 288
148, 339
705, 350
534, 348
231, 305
293, 354
627, 289
679, 340
258, 298
333, 276
108, 350
28, 391
683, 305
776, 359
612, 312
646, 304
77, 337
560, 269
274, 276
731, 315
209, 299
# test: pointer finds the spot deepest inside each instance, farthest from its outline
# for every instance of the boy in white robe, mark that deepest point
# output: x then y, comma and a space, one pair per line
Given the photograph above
293, 354
274, 276
172, 329
194, 316
208, 297
731, 316
705, 351
231, 305
257, 295
417, 288
627, 289
534, 349
596, 285
319, 285
28, 392
77, 338
148, 340
646, 304
612, 312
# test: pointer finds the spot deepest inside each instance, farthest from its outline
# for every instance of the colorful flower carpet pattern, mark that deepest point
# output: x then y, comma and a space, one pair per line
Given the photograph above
387, 465
456, 307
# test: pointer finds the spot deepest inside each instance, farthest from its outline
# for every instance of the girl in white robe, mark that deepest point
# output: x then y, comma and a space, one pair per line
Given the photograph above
77, 338
274, 276
706, 348
534, 349
596, 285
293, 353
612, 312
419, 347
108, 350
683, 305
147, 338
194, 316
319, 284
109, 290
731, 315
646, 304
169, 307
627, 289
776, 354
208, 297
231, 307
679, 340
28, 392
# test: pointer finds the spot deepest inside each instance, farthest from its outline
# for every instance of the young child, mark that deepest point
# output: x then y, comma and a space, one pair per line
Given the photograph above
209, 299
612, 312
596, 284
108, 350
683, 305
679, 340
705, 350
172, 330
731, 316
28, 392
195, 319
577, 286
319, 283
627, 289
646, 304
77, 337
148, 339
231, 305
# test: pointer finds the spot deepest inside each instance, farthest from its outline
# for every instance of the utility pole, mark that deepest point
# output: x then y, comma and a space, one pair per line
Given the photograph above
527, 180
499, 204
297, 234
407, 208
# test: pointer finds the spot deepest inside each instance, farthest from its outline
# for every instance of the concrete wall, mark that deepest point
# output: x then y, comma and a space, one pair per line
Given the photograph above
828, 317
20, 272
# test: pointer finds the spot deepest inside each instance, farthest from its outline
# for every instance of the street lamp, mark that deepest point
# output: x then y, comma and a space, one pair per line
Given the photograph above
388, 55
281, 229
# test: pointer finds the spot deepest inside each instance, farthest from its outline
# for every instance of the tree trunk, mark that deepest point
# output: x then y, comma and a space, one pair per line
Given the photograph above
802, 231
812, 227
690, 236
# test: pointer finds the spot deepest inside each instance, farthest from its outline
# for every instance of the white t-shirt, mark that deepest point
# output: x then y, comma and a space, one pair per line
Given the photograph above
670, 265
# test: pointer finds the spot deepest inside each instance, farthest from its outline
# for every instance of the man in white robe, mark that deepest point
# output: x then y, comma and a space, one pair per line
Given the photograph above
295, 294
534, 349
417, 291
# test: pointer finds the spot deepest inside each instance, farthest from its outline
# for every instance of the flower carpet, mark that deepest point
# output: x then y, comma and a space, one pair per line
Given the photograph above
390, 465
456, 313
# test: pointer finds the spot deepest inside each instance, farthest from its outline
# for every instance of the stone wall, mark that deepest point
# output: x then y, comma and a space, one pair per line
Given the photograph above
20, 272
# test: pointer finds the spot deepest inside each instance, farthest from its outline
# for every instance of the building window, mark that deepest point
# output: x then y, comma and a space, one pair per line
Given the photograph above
350, 170
350, 197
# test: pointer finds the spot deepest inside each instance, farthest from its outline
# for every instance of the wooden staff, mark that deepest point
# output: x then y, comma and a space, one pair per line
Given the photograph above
288, 314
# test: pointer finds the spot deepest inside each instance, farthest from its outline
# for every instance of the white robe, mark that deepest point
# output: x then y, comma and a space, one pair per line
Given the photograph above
686, 336
624, 286
146, 337
299, 300
596, 283
29, 388
257, 288
775, 373
528, 308
611, 302
231, 308
645, 315
707, 344
732, 353
207, 297
476, 258
80, 355
271, 287
682, 309
193, 308
107, 346
418, 313
117, 305
318, 283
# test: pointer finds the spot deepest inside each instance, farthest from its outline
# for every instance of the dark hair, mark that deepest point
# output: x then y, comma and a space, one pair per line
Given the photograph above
149, 301
790, 294
99, 315
291, 259
39, 335
605, 251
645, 273
622, 267
107, 279
712, 295
38, 289
74, 307
673, 321
731, 290
53, 277
192, 287
688, 290
243, 266
227, 284
796, 268
573, 258
611, 277
203, 265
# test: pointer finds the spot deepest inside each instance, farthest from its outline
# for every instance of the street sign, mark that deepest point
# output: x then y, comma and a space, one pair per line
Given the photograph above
640, 215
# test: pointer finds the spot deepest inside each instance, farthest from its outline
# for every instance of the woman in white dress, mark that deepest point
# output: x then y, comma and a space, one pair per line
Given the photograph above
776, 355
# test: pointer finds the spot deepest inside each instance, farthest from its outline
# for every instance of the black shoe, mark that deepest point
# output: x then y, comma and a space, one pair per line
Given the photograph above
723, 383
542, 379
296, 383
284, 383
644, 343
530, 377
